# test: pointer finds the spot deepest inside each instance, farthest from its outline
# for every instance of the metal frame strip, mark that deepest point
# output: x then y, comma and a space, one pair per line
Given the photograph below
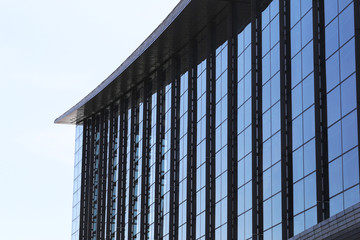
256, 105
210, 134
322, 178
286, 120
191, 146
232, 159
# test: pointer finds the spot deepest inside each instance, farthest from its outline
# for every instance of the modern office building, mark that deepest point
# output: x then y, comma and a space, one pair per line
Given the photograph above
233, 120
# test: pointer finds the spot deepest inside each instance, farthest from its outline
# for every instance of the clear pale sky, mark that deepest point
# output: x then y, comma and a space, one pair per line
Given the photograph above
53, 53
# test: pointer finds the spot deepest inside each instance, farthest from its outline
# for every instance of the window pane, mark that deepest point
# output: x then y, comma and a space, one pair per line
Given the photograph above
334, 141
275, 60
297, 132
275, 31
298, 167
308, 91
275, 148
299, 224
309, 124
295, 39
295, 70
310, 191
276, 207
266, 96
306, 27
336, 204
332, 37
351, 168
308, 59
298, 197
305, 6
351, 196
275, 118
347, 59
331, 10
296, 97
349, 134
275, 88
346, 21
295, 11
309, 157
348, 95
332, 72
333, 101
310, 217
335, 177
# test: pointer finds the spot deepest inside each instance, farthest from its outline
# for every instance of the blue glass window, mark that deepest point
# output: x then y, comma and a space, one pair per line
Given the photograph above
332, 37
332, 72
331, 10
348, 95
334, 141
349, 136
335, 181
347, 59
346, 21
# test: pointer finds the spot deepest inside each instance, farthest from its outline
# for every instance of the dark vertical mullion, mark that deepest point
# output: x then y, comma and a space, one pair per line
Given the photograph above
122, 171
232, 124
210, 134
159, 131
102, 159
256, 120
133, 120
109, 173
145, 159
322, 175
286, 121
357, 61
84, 181
91, 179
191, 147
174, 150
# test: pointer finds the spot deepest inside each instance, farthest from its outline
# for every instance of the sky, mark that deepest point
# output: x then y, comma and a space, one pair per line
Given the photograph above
52, 54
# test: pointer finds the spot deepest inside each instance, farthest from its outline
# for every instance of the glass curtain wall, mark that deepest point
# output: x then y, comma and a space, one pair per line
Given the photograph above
201, 150
114, 171
137, 170
152, 169
271, 122
165, 169
95, 180
244, 135
341, 100
127, 173
221, 125
184, 80
303, 116
77, 182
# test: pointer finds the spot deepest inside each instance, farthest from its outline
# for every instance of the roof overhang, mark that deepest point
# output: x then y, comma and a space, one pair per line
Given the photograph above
184, 23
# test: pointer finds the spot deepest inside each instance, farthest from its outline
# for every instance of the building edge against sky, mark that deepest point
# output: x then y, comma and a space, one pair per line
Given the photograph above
233, 120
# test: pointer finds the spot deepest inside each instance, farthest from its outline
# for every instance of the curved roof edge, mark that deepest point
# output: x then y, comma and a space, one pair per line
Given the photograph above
71, 116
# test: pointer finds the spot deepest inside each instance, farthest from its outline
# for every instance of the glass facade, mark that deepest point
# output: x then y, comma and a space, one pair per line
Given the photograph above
127, 175
165, 168
303, 116
221, 124
162, 162
151, 169
342, 119
136, 168
244, 135
184, 80
201, 151
271, 122
77, 182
